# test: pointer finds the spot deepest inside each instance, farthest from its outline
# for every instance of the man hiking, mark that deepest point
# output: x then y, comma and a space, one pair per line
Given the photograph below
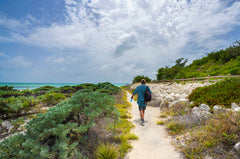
140, 90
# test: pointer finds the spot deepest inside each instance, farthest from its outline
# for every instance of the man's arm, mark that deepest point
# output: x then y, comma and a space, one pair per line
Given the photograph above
134, 92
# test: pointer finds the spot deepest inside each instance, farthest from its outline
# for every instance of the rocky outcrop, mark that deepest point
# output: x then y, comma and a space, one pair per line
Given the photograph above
202, 112
169, 93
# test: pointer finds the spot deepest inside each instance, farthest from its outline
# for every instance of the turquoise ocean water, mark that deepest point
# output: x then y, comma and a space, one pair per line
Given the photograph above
22, 86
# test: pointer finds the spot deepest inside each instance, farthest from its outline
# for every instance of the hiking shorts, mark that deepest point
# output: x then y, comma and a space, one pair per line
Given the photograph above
141, 108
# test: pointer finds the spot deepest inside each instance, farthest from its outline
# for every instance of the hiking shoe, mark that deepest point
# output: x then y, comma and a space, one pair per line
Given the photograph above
142, 123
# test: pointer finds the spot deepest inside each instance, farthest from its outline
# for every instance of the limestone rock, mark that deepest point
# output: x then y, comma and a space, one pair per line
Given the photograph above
169, 99
204, 107
234, 105
237, 148
218, 109
202, 112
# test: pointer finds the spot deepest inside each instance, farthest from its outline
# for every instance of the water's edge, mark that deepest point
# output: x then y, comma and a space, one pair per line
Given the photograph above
22, 86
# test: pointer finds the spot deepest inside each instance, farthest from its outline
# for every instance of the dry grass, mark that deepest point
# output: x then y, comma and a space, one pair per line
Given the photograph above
216, 138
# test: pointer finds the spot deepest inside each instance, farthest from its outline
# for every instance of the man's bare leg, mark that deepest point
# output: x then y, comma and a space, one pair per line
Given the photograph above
142, 116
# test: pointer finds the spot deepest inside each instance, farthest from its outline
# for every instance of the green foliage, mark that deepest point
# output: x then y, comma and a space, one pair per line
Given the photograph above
171, 72
12, 146
60, 131
17, 123
139, 78
6, 88
222, 62
9, 93
16, 106
161, 122
51, 98
45, 88
123, 127
175, 128
108, 86
107, 151
222, 93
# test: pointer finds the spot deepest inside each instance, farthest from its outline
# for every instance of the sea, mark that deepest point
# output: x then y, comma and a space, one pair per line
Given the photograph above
23, 86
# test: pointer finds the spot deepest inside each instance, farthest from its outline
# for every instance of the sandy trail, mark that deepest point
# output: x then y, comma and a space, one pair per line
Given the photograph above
153, 141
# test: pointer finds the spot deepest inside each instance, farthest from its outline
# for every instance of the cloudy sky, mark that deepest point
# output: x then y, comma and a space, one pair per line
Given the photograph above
109, 40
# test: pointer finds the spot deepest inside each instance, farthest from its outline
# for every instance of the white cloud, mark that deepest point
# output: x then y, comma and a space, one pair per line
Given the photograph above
129, 37
20, 61
11, 24
3, 55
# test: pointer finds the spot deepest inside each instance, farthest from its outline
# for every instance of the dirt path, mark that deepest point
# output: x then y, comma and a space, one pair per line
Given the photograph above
153, 141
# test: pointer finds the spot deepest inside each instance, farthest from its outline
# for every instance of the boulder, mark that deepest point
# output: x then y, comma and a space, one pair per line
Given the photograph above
183, 100
237, 148
169, 99
234, 105
7, 125
202, 112
204, 107
218, 109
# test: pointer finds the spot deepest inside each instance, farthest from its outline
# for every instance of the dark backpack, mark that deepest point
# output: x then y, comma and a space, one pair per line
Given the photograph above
147, 95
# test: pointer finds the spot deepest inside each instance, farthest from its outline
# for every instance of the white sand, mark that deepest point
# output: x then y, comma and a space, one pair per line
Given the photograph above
153, 141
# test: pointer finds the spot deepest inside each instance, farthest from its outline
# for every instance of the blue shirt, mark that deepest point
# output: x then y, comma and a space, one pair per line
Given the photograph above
140, 90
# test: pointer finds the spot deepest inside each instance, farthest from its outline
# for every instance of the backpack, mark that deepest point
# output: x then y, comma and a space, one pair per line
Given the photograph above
147, 95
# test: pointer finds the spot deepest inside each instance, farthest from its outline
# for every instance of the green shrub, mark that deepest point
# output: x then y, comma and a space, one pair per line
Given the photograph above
107, 151
222, 62
42, 90
51, 98
16, 106
108, 86
85, 86
59, 132
222, 93
67, 89
8, 93
6, 88
175, 128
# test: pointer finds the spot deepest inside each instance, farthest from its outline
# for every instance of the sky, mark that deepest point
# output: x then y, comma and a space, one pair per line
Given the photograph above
81, 41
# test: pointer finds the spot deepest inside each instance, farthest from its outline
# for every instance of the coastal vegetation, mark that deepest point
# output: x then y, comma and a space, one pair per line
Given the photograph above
213, 134
139, 78
222, 62
216, 132
222, 93
87, 119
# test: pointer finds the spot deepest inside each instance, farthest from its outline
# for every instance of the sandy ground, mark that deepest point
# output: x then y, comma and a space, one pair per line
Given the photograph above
153, 141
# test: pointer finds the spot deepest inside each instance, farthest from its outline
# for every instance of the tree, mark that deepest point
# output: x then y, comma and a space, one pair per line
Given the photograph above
171, 72
139, 78
181, 62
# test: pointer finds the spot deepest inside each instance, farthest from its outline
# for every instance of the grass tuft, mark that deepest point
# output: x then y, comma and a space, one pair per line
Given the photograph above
107, 151
161, 122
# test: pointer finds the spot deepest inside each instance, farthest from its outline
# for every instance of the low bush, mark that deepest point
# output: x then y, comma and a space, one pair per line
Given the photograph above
6, 88
16, 106
51, 98
224, 93
61, 131
9, 93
